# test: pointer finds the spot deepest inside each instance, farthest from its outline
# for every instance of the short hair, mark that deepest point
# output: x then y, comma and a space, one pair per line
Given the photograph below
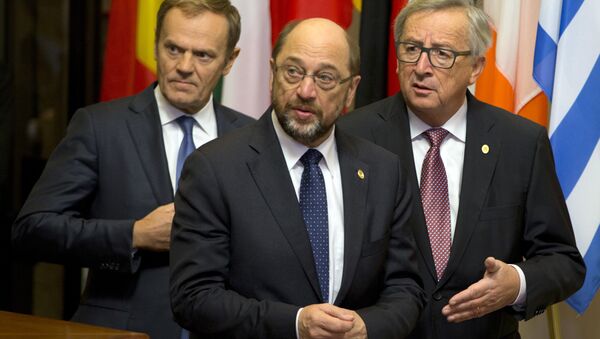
480, 36
192, 8
353, 49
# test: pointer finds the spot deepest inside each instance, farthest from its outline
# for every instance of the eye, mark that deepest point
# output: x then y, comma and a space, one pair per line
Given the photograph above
203, 56
294, 72
411, 49
442, 53
172, 49
325, 78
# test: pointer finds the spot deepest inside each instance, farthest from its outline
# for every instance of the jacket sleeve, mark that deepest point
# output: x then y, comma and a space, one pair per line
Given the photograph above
554, 268
53, 224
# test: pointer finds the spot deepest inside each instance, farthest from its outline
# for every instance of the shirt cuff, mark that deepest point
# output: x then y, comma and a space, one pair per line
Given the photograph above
522, 296
298, 317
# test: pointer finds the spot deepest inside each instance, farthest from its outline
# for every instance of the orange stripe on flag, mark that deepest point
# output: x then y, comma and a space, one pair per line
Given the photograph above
492, 87
536, 110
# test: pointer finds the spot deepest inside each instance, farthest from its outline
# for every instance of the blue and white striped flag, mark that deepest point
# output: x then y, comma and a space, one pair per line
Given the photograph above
567, 68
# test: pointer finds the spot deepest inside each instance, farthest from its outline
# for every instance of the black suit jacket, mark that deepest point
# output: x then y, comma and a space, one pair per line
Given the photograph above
241, 258
511, 207
108, 171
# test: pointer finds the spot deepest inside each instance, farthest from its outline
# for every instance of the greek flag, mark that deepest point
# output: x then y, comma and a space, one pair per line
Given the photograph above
567, 68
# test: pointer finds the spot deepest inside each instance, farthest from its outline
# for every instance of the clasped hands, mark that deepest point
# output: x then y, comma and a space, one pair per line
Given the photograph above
498, 288
329, 321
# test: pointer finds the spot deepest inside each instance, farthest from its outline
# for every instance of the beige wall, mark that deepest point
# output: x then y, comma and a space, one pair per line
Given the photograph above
573, 326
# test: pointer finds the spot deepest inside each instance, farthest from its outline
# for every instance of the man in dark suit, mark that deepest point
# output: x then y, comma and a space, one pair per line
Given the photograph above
497, 201
288, 227
105, 197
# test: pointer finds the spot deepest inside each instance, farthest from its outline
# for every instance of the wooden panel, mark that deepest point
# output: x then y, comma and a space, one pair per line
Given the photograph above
27, 326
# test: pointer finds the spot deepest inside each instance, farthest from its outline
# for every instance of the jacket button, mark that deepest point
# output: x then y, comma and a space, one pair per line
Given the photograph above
437, 296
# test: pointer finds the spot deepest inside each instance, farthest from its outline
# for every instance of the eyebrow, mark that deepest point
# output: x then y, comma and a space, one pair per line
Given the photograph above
321, 66
209, 51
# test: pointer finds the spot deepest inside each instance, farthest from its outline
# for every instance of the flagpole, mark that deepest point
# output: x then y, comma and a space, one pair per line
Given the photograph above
554, 322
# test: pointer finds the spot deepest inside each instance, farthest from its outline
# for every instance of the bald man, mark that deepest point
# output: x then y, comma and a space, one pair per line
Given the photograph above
289, 227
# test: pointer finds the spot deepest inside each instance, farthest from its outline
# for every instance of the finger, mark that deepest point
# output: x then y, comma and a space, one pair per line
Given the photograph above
472, 292
492, 265
472, 313
338, 312
333, 324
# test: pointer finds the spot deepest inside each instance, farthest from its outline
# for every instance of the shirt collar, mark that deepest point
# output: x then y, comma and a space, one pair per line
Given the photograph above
168, 113
456, 125
293, 150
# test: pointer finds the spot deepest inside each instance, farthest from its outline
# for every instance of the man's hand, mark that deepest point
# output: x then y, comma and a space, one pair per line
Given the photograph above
498, 288
153, 232
329, 321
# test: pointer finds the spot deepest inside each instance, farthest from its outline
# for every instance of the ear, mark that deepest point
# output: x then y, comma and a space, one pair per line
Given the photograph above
231, 60
271, 74
352, 90
478, 67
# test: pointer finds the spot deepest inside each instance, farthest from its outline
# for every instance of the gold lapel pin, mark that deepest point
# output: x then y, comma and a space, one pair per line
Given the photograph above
485, 149
360, 174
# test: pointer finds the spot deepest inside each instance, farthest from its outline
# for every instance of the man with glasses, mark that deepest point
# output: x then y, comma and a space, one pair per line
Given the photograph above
290, 228
494, 236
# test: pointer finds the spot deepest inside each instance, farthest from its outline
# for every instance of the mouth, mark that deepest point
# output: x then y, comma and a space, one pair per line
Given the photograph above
421, 88
182, 83
304, 112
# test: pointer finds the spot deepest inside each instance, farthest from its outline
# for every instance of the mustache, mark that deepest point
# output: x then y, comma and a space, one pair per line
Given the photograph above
303, 105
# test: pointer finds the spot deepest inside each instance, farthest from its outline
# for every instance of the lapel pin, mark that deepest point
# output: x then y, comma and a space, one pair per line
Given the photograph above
485, 149
360, 174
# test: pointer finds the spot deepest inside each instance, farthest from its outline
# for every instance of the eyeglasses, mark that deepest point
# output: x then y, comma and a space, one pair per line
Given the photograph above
409, 52
325, 80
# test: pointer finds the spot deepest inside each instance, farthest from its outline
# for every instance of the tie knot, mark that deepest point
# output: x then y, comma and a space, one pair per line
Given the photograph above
435, 136
186, 123
311, 157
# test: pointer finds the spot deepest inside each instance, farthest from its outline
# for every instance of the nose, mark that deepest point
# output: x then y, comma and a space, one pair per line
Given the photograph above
185, 63
307, 88
423, 64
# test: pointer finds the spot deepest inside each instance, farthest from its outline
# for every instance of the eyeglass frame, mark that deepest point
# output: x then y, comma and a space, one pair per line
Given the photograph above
427, 50
337, 81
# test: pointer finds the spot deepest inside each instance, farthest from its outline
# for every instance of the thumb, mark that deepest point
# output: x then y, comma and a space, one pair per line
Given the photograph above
491, 265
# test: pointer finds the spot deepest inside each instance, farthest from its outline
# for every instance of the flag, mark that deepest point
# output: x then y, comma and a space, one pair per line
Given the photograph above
284, 11
507, 80
246, 87
129, 64
377, 51
567, 67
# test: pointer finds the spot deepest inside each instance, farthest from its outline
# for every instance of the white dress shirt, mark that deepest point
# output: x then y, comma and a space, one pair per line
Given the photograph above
452, 151
204, 130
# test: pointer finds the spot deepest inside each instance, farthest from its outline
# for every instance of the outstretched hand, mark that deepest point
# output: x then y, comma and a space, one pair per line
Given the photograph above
498, 288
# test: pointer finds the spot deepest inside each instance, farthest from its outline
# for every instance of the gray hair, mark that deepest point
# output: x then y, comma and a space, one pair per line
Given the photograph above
480, 35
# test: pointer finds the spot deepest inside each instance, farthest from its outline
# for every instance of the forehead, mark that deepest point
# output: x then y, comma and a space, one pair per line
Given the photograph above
447, 27
316, 48
201, 29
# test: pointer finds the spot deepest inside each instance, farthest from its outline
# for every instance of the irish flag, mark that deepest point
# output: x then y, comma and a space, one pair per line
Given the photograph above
507, 79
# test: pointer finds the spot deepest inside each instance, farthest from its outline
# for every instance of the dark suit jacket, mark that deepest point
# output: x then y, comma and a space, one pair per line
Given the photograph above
108, 171
511, 207
241, 260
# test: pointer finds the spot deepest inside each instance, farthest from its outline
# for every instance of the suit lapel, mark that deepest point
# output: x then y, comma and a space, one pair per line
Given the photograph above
355, 199
478, 169
387, 136
146, 131
270, 173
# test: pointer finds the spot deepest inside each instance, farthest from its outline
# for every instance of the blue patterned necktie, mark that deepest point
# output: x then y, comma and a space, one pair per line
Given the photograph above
313, 203
187, 144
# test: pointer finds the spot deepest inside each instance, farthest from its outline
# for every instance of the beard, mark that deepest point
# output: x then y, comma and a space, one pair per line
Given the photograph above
304, 131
